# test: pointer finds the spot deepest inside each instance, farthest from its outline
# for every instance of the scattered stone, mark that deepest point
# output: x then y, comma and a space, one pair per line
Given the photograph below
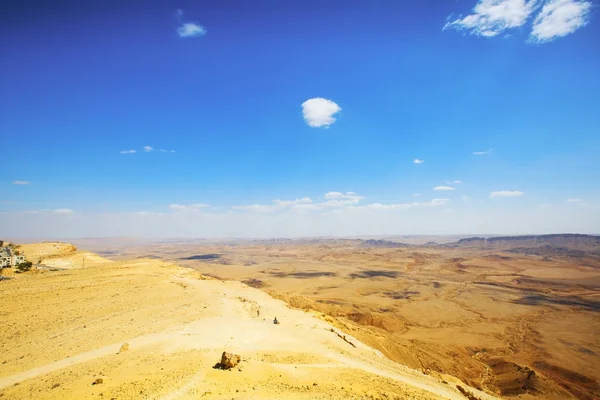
98, 381
124, 347
228, 361
55, 385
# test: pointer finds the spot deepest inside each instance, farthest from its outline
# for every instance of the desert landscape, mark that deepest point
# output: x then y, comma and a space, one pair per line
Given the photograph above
359, 318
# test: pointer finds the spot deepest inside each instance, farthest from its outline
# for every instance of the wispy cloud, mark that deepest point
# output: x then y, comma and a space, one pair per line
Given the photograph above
416, 194
332, 200
457, 182
559, 18
188, 207
63, 211
444, 188
506, 193
276, 205
190, 29
127, 151
319, 112
405, 206
21, 183
417, 161
545, 205
149, 149
574, 200
482, 153
147, 213
492, 17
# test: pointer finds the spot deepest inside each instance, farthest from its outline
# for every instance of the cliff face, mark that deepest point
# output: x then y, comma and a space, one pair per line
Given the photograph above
586, 243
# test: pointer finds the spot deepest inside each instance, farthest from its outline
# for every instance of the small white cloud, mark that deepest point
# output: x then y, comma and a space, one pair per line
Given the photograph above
416, 194
191, 29
188, 207
21, 182
443, 188
457, 182
63, 211
465, 198
148, 148
492, 17
319, 112
417, 161
574, 200
545, 205
127, 151
482, 153
506, 193
559, 18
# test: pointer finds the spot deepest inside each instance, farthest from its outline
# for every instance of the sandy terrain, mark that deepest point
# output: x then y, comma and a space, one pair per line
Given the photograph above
518, 324
62, 331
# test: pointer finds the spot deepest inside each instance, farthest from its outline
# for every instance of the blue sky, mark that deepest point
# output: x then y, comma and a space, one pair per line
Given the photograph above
299, 118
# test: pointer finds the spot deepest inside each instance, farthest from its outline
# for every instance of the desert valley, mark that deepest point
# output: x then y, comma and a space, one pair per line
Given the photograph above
476, 318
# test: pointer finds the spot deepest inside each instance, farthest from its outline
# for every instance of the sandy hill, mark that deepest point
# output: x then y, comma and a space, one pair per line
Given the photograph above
146, 329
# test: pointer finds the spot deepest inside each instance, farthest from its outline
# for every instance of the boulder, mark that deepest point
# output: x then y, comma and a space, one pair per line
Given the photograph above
229, 360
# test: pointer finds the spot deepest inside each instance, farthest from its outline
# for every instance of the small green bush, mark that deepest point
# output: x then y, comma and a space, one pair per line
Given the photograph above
24, 266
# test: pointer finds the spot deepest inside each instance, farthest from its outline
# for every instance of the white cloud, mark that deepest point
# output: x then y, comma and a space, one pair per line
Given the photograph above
147, 213
482, 153
21, 182
492, 17
559, 18
546, 205
506, 193
319, 112
406, 206
338, 199
127, 151
457, 182
148, 148
574, 200
188, 207
63, 211
332, 200
443, 188
277, 205
416, 194
190, 29
417, 161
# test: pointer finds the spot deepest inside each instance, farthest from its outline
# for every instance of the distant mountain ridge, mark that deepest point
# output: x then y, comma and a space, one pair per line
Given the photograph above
571, 241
